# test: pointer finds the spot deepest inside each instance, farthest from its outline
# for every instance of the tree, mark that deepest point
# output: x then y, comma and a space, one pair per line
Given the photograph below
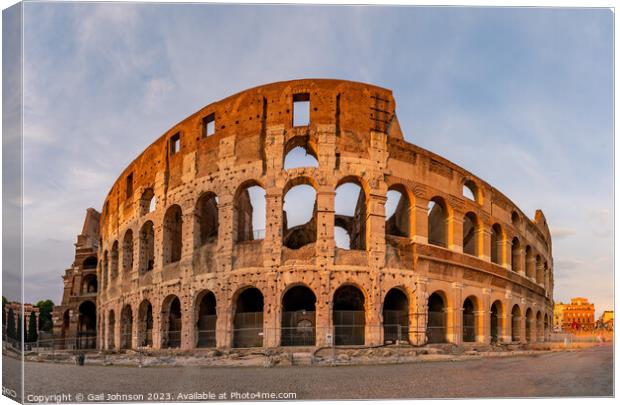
10, 324
19, 333
45, 315
32, 329
4, 303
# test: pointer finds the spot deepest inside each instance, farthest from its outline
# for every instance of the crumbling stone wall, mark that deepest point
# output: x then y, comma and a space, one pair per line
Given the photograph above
354, 134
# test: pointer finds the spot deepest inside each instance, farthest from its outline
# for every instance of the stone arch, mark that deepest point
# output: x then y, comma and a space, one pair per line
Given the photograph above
147, 201
437, 320
114, 260
89, 284
497, 321
470, 317
206, 217
530, 326
173, 234
472, 191
248, 312
147, 247
299, 228
206, 319
171, 321
87, 325
298, 316
89, 263
126, 327
398, 213
300, 151
249, 212
471, 234
111, 329
395, 316
438, 222
349, 315
515, 316
515, 253
128, 251
145, 324
497, 244
351, 192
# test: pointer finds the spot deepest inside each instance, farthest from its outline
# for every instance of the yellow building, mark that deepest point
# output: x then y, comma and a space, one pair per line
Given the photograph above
607, 320
576, 316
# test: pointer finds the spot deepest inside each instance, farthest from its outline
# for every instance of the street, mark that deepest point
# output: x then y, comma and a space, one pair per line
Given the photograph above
586, 372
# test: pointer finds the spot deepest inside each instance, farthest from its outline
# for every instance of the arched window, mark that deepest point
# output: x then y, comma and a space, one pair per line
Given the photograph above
516, 323
207, 221
397, 212
436, 324
516, 255
350, 216
299, 216
469, 319
128, 251
470, 190
248, 320
470, 234
207, 319
89, 263
300, 152
437, 222
496, 244
249, 204
172, 322
147, 247
145, 324
147, 201
173, 234
395, 316
298, 317
349, 316
114, 260
126, 327
89, 284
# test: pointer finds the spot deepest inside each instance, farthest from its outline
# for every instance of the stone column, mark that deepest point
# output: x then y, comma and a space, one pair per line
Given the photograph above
455, 313
272, 245
324, 326
188, 325
484, 318
485, 251
325, 244
505, 253
135, 326
421, 220
374, 329
375, 231
455, 241
226, 234
418, 314
223, 327
157, 325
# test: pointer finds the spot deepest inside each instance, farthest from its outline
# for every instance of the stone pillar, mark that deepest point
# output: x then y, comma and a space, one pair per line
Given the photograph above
484, 318
157, 325
324, 326
227, 232
375, 228
455, 315
325, 244
117, 328
418, 311
505, 253
188, 323
135, 326
421, 220
374, 329
455, 240
272, 245
223, 326
485, 251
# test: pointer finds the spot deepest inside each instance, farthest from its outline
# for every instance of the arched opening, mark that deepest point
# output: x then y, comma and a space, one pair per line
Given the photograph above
515, 219
89, 263
496, 244
299, 153
540, 331
114, 260
437, 222
147, 247
66, 323
248, 322
104, 270
111, 329
87, 326
147, 201
397, 212
469, 320
470, 190
128, 251
516, 255
529, 262
173, 234
250, 212
529, 325
207, 219
349, 316
145, 321
299, 216
172, 322
470, 234
516, 323
496, 311
350, 214
89, 284
126, 327
299, 317
436, 326
206, 320
395, 316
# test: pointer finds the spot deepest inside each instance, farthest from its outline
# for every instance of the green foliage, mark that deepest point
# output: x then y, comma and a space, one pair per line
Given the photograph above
10, 324
33, 335
18, 335
45, 315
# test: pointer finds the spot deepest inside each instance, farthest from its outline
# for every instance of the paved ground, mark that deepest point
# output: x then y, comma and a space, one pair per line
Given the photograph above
581, 373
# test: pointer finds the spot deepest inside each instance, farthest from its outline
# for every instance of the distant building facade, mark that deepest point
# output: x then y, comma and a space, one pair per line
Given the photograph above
606, 321
576, 316
17, 307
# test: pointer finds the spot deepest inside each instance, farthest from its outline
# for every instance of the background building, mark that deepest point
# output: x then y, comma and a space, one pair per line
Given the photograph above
576, 316
606, 321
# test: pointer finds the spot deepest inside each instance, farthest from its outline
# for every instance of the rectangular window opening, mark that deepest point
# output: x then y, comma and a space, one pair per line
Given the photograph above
208, 125
130, 185
301, 109
175, 143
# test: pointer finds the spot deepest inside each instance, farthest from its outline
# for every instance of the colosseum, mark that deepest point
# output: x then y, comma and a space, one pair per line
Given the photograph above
196, 246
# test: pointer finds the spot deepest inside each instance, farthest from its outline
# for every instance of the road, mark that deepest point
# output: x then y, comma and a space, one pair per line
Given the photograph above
580, 373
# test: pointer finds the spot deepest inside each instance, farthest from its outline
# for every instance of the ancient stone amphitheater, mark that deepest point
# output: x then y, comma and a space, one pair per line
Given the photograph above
400, 244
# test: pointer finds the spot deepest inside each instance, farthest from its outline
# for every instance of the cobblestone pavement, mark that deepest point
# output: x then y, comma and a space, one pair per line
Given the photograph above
586, 372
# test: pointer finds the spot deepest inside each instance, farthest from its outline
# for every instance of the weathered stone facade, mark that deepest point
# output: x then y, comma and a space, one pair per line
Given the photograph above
183, 272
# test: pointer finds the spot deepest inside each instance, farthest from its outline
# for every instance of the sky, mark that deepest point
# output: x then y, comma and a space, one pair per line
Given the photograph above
521, 97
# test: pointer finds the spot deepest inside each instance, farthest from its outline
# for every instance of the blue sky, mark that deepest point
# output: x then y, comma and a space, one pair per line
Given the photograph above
520, 97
